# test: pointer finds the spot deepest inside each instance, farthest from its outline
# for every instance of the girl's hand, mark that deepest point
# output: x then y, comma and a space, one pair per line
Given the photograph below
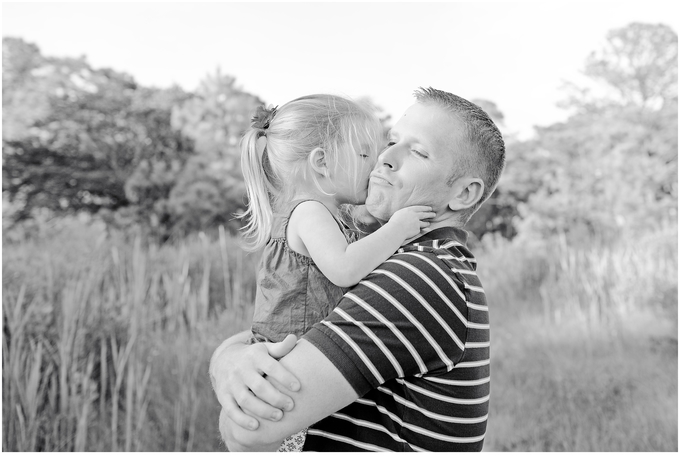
411, 220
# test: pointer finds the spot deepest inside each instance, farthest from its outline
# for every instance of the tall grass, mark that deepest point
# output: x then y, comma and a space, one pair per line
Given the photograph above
584, 344
106, 340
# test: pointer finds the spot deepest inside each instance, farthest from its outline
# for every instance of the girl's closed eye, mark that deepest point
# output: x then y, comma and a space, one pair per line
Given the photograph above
420, 154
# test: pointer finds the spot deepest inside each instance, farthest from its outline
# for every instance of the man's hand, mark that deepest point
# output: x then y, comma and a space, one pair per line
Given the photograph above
237, 373
324, 391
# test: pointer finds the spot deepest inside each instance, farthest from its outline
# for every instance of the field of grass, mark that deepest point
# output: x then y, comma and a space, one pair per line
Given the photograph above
106, 341
587, 358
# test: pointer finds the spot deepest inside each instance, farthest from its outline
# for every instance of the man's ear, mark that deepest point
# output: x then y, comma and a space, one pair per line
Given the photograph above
466, 192
317, 161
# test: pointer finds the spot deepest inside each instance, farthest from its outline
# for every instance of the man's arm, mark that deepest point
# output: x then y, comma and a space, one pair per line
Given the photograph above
406, 318
324, 391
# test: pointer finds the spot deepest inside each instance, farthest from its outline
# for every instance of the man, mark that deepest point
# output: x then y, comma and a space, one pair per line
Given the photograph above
402, 363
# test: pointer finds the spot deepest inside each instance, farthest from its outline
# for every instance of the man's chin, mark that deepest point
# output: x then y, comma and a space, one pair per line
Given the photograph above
379, 210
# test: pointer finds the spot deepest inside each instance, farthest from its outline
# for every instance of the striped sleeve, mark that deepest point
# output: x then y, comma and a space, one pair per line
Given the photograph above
407, 318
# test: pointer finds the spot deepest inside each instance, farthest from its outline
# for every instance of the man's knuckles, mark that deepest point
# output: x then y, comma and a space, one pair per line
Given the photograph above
269, 367
260, 388
243, 397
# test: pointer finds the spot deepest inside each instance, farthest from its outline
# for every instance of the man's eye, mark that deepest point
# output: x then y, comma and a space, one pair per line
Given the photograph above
363, 155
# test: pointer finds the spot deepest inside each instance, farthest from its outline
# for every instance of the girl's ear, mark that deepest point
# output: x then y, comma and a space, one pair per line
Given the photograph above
317, 161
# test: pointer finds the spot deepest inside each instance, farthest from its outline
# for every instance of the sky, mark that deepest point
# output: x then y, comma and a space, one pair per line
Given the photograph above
516, 54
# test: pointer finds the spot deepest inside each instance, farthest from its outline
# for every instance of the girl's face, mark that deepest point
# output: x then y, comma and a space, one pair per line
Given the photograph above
350, 177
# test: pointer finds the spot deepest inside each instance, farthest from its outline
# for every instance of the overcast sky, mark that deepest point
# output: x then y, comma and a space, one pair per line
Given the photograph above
515, 54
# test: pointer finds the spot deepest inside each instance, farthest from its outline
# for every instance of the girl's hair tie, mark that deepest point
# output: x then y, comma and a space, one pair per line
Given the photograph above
263, 117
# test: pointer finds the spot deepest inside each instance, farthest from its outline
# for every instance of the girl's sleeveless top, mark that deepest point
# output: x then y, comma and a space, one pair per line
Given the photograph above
292, 293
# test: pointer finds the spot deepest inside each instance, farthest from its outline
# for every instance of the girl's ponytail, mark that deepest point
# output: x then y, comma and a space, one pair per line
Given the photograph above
259, 213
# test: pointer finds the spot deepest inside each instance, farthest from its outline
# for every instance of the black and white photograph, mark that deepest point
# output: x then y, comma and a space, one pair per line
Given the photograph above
340, 227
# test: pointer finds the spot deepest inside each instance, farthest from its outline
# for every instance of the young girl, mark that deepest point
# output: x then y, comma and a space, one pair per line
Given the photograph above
315, 155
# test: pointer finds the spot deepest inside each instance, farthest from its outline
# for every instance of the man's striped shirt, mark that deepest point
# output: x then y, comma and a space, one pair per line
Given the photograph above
412, 339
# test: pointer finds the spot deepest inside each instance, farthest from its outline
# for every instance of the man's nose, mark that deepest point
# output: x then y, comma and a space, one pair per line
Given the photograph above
386, 159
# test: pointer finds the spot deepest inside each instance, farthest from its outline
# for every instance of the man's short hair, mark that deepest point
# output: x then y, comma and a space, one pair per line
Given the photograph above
483, 155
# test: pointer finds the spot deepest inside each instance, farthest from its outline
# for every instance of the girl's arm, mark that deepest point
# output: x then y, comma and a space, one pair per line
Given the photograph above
346, 264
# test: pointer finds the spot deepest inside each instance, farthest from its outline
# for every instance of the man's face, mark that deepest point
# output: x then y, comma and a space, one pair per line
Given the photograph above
417, 163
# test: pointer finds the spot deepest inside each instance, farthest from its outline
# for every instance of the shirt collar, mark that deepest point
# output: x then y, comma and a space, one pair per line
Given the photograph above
444, 233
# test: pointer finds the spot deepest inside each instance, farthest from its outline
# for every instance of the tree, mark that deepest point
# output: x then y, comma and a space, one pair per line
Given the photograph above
211, 189
92, 140
216, 117
63, 157
602, 173
638, 66
610, 168
83, 139
167, 152
205, 196
23, 102
591, 177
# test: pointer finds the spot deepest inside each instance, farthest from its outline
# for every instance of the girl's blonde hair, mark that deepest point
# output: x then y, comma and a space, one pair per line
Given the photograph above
296, 129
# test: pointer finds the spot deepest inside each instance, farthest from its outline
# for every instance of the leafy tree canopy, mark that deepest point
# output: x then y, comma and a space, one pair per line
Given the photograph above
76, 138
83, 139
